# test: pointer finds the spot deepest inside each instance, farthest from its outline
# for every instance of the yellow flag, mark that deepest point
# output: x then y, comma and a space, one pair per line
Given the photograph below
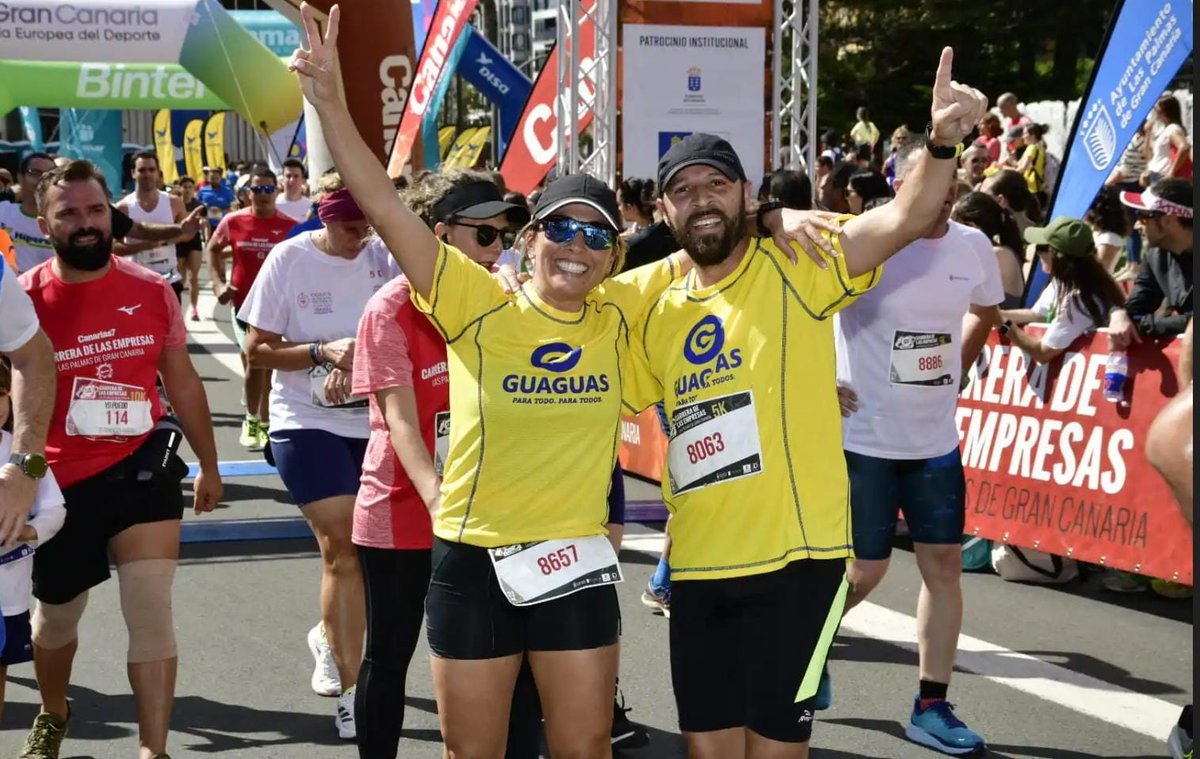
193, 143
474, 148
456, 150
164, 147
214, 141
445, 140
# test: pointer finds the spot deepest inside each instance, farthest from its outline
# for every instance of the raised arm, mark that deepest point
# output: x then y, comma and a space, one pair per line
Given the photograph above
870, 239
407, 237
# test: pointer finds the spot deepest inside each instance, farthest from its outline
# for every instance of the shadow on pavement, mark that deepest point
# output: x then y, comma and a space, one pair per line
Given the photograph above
994, 751
219, 727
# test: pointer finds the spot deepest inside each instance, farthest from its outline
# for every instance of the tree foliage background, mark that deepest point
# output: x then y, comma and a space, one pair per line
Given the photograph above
883, 53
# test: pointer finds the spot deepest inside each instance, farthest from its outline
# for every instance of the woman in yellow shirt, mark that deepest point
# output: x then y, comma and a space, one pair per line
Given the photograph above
521, 564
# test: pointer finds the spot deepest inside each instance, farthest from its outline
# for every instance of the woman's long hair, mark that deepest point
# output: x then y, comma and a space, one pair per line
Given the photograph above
1107, 214
981, 210
1085, 277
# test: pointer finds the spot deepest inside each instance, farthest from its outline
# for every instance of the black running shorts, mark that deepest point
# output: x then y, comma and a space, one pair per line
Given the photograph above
742, 647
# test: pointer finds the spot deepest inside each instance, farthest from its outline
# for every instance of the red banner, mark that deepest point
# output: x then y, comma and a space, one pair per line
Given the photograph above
376, 52
449, 20
533, 149
1050, 464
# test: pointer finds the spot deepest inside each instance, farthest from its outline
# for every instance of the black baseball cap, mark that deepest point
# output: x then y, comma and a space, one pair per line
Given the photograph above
579, 188
705, 149
478, 200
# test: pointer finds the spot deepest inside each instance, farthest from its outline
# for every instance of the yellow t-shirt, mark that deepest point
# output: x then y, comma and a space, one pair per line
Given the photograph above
756, 477
535, 402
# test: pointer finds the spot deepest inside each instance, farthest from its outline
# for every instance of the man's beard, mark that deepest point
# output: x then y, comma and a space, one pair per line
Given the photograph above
711, 249
90, 257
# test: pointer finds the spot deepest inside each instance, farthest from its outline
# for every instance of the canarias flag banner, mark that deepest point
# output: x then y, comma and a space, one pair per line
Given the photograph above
164, 147
193, 148
214, 141
474, 148
460, 144
199, 35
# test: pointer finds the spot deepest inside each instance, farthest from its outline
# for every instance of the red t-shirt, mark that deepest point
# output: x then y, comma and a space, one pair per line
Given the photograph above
397, 346
108, 335
252, 239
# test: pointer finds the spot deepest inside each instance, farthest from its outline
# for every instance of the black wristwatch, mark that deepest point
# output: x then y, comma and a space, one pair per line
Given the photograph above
1003, 328
763, 210
942, 152
31, 464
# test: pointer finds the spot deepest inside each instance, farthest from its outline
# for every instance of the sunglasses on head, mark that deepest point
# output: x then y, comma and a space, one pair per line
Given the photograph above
561, 230
485, 234
262, 189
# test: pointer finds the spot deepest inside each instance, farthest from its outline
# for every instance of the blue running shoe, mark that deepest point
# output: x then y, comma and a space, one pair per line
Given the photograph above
824, 697
938, 728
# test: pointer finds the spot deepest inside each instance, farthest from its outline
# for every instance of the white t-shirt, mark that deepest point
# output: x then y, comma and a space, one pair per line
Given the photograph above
16, 563
307, 296
296, 209
1108, 238
160, 259
32, 246
899, 344
1160, 158
18, 319
1067, 320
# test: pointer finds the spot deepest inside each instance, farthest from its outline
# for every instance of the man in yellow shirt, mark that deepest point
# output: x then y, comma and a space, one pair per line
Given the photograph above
741, 350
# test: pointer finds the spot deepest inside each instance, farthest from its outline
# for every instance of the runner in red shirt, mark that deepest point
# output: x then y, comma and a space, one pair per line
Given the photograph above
248, 235
115, 327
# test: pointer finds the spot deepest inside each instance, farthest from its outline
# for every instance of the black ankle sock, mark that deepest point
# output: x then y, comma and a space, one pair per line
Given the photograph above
933, 690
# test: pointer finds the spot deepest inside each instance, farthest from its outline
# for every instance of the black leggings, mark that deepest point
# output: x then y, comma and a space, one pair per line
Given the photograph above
396, 582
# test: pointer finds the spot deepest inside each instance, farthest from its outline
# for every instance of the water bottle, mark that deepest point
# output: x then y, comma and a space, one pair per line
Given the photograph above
1115, 373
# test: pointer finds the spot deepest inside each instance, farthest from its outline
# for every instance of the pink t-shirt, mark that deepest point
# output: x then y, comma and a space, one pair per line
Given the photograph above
397, 347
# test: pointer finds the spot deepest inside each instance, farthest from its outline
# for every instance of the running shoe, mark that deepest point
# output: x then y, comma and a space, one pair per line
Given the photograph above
938, 728
325, 678
1168, 589
1124, 582
657, 600
264, 435
45, 737
345, 716
195, 315
824, 692
625, 733
249, 437
1179, 744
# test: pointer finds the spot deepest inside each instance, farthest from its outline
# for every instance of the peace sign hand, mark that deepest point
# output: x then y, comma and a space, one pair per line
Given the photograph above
317, 64
956, 107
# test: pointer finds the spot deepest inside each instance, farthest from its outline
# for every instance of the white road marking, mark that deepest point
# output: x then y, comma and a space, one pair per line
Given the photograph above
207, 334
1147, 715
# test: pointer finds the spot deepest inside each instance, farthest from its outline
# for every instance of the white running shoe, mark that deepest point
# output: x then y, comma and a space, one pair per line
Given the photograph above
345, 716
325, 678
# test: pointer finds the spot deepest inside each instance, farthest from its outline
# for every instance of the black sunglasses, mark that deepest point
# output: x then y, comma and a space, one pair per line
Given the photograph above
485, 234
262, 189
1147, 215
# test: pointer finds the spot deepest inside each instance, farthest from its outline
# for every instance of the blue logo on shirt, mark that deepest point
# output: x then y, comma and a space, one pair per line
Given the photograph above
705, 341
556, 357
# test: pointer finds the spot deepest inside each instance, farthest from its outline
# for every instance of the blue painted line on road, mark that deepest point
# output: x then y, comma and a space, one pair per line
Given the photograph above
236, 530
253, 468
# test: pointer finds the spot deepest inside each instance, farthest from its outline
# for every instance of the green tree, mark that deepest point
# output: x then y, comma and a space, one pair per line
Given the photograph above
882, 53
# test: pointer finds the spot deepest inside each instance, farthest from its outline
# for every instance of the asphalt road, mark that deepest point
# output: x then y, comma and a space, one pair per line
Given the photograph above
1068, 672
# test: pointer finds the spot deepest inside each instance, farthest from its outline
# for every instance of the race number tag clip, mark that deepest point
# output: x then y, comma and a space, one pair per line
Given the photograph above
108, 409
441, 441
534, 573
923, 359
713, 441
